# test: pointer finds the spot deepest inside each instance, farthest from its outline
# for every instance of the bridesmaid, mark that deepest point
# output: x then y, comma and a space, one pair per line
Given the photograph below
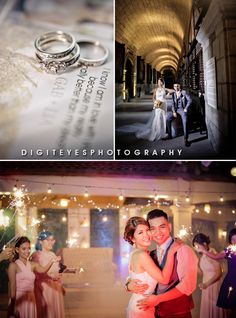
21, 276
211, 281
227, 295
48, 287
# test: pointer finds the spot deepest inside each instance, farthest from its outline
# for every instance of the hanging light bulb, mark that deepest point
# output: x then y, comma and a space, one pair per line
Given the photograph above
86, 194
156, 197
219, 212
121, 197
233, 211
221, 198
49, 190
187, 198
64, 219
233, 171
14, 188
64, 203
197, 210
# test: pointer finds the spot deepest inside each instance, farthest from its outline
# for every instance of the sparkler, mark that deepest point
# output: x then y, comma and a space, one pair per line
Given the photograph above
230, 290
231, 249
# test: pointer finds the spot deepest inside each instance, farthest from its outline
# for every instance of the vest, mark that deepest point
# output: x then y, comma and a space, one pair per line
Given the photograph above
180, 305
179, 103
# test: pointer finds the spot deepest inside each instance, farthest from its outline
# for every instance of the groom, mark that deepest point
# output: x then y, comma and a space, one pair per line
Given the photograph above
174, 299
180, 105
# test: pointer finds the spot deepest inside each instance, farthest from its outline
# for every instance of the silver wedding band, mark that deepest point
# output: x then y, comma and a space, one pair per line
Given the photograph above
54, 36
58, 60
93, 61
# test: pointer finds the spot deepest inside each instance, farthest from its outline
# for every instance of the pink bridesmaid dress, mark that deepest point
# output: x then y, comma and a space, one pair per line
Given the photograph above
25, 299
48, 288
209, 297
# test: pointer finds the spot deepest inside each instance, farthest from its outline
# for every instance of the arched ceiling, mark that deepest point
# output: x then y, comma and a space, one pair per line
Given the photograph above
154, 28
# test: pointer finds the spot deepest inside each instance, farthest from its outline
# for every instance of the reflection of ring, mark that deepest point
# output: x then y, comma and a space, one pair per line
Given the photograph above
59, 65
86, 58
43, 42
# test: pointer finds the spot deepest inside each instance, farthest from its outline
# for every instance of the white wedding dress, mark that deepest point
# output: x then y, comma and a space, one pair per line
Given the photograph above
155, 128
133, 311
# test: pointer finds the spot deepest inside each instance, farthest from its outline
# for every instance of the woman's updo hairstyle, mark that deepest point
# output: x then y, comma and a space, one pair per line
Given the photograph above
202, 239
131, 226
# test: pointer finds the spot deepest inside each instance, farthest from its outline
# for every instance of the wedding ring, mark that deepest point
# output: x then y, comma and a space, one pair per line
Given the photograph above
55, 66
54, 57
93, 53
44, 42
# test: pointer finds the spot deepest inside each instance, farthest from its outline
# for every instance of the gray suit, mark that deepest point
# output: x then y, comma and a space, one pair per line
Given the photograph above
178, 106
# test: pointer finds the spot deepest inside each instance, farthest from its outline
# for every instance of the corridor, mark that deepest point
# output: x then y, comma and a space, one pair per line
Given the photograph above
187, 42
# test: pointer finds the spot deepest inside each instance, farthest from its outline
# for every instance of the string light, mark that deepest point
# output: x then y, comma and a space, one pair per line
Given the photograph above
14, 188
197, 210
233, 211
64, 219
43, 216
219, 212
187, 198
49, 190
233, 171
121, 197
64, 203
86, 194
105, 218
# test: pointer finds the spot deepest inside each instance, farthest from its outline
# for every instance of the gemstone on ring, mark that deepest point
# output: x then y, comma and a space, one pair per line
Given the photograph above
53, 67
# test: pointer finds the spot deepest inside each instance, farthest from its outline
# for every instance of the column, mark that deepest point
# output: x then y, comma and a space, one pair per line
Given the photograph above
182, 218
216, 35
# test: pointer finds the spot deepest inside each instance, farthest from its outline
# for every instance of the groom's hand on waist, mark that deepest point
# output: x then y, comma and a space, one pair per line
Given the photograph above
136, 286
148, 302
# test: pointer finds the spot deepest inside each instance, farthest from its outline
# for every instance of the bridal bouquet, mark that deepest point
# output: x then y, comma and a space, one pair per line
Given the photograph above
157, 104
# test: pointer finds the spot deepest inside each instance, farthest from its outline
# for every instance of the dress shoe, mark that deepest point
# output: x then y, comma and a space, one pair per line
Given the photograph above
187, 143
166, 137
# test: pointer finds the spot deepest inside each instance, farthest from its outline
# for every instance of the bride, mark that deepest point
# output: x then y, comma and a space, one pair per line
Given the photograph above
141, 266
155, 128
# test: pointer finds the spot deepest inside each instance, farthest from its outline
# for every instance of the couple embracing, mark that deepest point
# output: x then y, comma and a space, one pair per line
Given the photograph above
161, 282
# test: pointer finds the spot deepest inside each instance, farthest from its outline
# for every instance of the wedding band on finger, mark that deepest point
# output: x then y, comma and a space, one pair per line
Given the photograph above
49, 45
93, 53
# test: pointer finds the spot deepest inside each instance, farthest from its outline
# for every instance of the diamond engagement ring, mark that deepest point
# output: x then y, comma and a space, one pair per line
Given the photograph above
57, 50
59, 65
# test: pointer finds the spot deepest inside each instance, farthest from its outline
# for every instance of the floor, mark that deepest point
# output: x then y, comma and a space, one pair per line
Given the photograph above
138, 111
90, 302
